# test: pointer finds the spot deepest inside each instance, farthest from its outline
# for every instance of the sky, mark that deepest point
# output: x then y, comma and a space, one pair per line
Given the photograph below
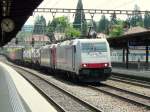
89, 4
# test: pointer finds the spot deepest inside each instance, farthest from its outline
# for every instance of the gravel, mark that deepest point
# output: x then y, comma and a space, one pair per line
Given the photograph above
60, 98
105, 102
129, 87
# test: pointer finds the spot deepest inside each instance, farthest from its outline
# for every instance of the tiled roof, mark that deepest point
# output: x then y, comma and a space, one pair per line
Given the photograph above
133, 30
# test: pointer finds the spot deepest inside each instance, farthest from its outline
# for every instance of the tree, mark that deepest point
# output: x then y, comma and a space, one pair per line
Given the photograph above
127, 23
39, 25
147, 20
58, 24
94, 25
103, 24
136, 19
61, 24
84, 29
113, 19
50, 31
117, 29
79, 21
72, 32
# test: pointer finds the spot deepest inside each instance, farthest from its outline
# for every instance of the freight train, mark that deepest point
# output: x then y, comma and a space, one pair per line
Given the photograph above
81, 59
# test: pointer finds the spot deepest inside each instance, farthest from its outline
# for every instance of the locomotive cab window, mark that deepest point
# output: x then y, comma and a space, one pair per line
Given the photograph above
94, 47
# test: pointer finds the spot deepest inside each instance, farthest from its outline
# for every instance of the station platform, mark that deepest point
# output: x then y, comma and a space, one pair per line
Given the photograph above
132, 72
17, 95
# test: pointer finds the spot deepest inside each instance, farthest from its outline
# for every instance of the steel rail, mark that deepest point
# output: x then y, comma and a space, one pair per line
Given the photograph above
82, 102
130, 81
50, 100
123, 94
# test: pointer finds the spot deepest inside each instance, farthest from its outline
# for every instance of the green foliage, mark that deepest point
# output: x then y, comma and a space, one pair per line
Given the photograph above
94, 25
103, 24
113, 19
136, 19
50, 31
147, 20
72, 32
84, 28
39, 25
79, 21
116, 31
58, 24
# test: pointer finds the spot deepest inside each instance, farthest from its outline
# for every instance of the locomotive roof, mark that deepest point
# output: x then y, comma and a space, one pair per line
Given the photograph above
91, 40
75, 41
48, 46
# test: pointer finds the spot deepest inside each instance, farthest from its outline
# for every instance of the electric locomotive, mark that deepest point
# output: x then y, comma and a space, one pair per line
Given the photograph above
84, 59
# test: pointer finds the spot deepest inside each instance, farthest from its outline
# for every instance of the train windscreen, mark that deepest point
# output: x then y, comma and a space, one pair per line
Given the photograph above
94, 47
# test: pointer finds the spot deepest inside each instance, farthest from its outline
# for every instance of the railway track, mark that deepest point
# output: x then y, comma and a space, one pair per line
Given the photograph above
135, 82
63, 100
128, 96
124, 94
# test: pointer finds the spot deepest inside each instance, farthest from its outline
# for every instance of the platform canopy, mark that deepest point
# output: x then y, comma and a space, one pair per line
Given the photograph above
18, 11
135, 36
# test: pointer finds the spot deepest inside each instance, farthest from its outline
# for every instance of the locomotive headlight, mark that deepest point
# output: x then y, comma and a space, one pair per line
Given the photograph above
105, 64
84, 65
